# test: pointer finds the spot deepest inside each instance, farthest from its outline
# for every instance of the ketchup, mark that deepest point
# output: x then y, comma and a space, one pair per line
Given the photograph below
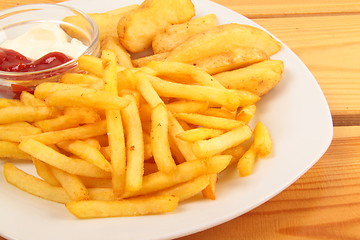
12, 61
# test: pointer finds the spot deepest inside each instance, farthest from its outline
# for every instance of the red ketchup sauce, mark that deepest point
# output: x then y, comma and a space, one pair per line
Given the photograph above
12, 61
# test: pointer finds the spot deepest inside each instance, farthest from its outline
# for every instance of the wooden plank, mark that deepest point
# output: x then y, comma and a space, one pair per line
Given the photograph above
281, 8
330, 47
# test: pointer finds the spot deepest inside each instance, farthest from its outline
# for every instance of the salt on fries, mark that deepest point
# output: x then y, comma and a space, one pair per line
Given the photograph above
115, 140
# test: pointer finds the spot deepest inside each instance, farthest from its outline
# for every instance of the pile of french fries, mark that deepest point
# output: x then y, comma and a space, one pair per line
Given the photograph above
124, 136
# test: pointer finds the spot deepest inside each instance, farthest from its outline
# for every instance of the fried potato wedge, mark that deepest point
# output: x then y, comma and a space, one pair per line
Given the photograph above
258, 78
137, 29
230, 60
223, 38
106, 22
142, 61
176, 34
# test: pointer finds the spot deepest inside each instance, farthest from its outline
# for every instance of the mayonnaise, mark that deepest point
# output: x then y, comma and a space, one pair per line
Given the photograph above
45, 38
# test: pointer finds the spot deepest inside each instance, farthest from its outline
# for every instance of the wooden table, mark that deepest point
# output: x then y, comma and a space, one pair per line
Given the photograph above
325, 202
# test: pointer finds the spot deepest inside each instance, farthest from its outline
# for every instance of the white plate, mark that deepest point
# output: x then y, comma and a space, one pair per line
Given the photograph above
296, 113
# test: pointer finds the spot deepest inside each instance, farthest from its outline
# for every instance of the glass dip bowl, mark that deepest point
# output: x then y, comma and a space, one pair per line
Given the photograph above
16, 21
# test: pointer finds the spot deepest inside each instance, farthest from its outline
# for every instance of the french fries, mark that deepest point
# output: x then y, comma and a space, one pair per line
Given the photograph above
128, 137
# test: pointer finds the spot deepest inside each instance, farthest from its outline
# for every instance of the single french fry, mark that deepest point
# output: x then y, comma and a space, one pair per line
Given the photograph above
187, 189
86, 152
82, 132
184, 72
91, 64
10, 150
146, 89
134, 145
246, 163
13, 133
59, 123
218, 112
210, 190
142, 61
206, 148
225, 97
159, 139
200, 133
86, 97
129, 207
116, 136
71, 184
209, 121
25, 113
45, 89
50, 156
44, 171
79, 78
262, 140
33, 185
187, 106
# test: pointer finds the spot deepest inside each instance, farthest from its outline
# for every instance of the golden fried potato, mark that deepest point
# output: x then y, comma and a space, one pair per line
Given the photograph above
142, 61
176, 34
106, 22
223, 38
230, 60
258, 78
137, 29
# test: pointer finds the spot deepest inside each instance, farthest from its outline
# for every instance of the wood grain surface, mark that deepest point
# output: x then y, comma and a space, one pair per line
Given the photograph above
325, 202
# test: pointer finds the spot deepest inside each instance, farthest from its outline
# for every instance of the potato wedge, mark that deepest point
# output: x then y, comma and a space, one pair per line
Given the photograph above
106, 22
258, 78
230, 60
223, 38
176, 34
142, 61
136, 35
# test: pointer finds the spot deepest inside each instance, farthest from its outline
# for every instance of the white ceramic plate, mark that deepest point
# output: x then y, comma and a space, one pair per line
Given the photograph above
296, 113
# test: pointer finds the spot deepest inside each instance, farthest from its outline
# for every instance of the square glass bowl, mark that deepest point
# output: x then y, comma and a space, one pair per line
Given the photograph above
17, 20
